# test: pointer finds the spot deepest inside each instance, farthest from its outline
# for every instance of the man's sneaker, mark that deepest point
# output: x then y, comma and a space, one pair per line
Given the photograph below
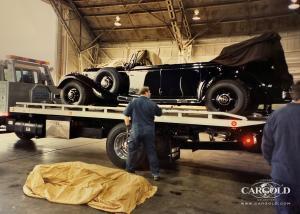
156, 177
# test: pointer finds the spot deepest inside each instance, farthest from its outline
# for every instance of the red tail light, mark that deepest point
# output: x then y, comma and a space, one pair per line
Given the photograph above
249, 140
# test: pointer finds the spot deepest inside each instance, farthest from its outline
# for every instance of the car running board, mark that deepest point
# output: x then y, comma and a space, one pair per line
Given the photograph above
162, 101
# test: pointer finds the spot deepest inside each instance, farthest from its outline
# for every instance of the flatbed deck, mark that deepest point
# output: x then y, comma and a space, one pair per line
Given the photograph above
188, 116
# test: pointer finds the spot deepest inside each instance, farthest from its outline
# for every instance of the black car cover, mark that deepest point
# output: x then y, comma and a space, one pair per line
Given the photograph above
266, 47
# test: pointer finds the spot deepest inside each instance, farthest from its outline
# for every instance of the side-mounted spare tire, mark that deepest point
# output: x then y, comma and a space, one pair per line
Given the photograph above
109, 79
230, 96
74, 93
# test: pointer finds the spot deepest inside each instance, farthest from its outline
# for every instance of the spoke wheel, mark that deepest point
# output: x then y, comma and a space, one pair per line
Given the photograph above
74, 93
224, 100
109, 79
121, 146
117, 147
230, 96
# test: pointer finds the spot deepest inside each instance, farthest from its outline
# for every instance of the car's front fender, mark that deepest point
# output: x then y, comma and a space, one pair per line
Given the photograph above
86, 81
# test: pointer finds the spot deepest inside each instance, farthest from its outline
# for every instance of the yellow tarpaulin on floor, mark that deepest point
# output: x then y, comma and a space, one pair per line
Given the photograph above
103, 188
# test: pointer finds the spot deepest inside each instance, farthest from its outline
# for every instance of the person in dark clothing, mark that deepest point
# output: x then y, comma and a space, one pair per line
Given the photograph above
142, 112
281, 148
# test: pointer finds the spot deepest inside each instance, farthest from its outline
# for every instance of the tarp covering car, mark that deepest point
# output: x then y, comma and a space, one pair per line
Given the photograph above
266, 47
111, 190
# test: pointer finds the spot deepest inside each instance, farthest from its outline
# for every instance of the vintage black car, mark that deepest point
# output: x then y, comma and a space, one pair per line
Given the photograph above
243, 76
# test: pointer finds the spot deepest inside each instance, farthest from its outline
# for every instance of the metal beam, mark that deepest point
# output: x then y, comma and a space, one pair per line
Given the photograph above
201, 23
147, 10
101, 6
158, 18
102, 33
248, 16
185, 22
82, 20
63, 22
129, 17
132, 28
125, 13
177, 9
174, 25
61, 1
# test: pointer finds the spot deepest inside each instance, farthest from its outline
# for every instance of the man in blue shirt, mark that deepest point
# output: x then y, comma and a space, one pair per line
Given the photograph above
142, 112
281, 148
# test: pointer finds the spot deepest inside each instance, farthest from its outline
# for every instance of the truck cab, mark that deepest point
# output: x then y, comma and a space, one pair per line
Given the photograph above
24, 79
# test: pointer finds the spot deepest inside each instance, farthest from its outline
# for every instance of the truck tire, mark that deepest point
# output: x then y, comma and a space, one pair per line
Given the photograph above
109, 79
116, 147
229, 96
74, 93
24, 136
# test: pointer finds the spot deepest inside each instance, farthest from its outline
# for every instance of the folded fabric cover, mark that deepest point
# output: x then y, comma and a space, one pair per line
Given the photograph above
111, 190
264, 48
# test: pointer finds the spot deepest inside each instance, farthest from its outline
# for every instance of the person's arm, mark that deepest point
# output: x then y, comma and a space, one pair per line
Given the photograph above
127, 121
158, 111
128, 113
267, 145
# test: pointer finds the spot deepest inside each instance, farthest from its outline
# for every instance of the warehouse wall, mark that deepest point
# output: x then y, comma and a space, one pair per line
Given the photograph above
203, 50
28, 29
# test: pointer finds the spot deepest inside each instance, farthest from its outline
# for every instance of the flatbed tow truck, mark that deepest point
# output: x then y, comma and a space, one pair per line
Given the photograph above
178, 128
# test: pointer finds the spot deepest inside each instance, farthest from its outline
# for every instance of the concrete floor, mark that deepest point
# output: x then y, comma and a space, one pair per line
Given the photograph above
202, 182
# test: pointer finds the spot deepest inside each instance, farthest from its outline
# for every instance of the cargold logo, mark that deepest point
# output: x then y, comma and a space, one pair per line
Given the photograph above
266, 189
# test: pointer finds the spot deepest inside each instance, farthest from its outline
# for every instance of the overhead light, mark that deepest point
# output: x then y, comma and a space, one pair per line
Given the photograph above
196, 16
117, 21
294, 5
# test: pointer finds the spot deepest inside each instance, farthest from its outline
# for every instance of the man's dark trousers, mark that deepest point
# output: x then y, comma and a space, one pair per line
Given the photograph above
289, 203
139, 139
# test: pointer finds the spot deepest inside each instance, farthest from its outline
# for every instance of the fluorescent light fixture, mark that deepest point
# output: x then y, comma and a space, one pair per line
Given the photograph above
294, 5
196, 16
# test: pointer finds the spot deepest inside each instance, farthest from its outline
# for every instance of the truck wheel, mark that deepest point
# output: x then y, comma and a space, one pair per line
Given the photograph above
227, 96
24, 136
74, 93
117, 147
109, 79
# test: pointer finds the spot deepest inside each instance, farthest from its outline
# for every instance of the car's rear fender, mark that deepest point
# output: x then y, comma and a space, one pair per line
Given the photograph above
252, 83
259, 90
